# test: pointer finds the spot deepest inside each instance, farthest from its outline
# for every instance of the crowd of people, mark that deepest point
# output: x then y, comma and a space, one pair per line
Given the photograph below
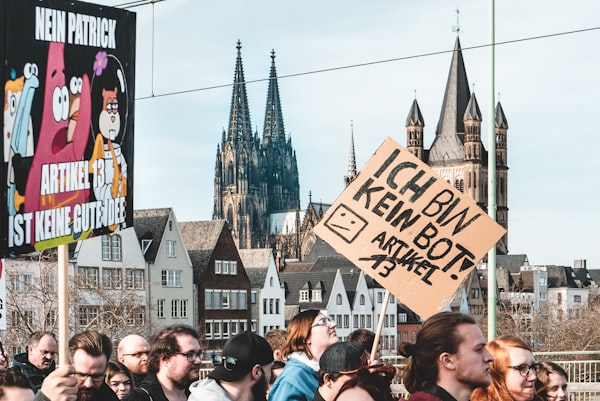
449, 361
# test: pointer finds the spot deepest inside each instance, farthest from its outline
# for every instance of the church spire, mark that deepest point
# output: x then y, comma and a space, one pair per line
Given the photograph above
456, 97
274, 131
351, 159
240, 127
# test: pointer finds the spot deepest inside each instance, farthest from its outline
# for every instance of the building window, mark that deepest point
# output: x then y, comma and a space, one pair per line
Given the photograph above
253, 297
218, 266
402, 317
208, 298
355, 320
21, 282
271, 281
111, 278
338, 299
234, 328
160, 308
362, 321
111, 247
208, 329
543, 296
233, 267
216, 329
380, 297
175, 308
225, 330
346, 321
303, 296
474, 292
171, 278
265, 306
134, 279
183, 308
234, 299
87, 276
362, 299
50, 318
316, 295
225, 302
217, 299
542, 280
243, 304
369, 323
277, 306
225, 267
87, 315
577, 298
170, 249
253, 326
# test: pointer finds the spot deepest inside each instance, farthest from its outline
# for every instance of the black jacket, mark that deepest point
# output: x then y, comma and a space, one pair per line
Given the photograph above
153, 388
34, 375
104, 393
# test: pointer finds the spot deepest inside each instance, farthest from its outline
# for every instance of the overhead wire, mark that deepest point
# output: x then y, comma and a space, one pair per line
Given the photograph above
396, 59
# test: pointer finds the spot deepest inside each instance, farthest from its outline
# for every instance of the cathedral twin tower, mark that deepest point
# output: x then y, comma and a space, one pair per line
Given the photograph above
256, 177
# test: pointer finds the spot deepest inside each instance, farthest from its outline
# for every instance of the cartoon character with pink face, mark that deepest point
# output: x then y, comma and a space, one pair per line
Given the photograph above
64, 132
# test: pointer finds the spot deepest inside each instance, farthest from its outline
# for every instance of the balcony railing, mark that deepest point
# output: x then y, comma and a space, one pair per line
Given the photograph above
582, 367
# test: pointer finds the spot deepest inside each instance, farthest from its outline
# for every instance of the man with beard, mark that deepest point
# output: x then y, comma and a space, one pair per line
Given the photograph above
133, 352
90, 352
448, 361
242, 374
173, 364
38, 362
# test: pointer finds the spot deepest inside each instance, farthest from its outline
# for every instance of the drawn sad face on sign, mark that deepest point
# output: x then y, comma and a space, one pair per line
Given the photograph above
346, 223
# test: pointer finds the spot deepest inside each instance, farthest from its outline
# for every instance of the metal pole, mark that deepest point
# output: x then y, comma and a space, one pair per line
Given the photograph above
63, 310
492, 203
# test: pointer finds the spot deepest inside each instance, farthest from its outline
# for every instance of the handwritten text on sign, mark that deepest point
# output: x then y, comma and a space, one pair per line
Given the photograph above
409, 229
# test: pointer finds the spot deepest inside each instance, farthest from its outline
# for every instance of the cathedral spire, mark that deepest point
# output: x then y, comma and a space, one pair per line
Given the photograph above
274, 131
240, 127
351, 173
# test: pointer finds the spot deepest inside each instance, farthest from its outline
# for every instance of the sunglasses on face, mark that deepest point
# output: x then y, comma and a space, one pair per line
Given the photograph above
228, 362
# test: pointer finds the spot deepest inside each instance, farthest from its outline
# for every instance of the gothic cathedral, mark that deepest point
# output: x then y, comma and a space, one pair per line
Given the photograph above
457, 153
254, 177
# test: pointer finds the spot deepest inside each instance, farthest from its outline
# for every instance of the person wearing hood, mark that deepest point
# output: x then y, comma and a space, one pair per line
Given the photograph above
243, 371
39, 360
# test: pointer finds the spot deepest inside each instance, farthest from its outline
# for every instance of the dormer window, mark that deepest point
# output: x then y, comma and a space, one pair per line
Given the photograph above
303, 296
145, 245
316, 295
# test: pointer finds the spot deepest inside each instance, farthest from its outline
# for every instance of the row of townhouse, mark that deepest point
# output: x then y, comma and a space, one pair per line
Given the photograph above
162, 272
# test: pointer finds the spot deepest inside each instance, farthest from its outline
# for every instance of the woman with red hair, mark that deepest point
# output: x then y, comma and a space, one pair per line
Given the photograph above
514, 372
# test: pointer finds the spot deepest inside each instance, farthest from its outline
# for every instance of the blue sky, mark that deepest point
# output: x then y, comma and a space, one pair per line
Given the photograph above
548, 87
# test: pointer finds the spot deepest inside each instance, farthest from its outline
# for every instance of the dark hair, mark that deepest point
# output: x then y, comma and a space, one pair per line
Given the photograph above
298, 332
375, 380
115, 367
91, 342
164, 344
276, 365
437, 335
12, 378
498, 390
543, 377
36, 336
363, 337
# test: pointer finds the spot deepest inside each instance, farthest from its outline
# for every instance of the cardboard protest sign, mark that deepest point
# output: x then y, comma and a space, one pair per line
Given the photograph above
409, 229
68, 74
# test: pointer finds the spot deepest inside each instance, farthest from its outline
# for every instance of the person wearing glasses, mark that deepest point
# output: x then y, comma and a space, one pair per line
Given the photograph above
173, 364
514, 372
448, 361
551, 384
89, 352
133, 352
38, 362
242, 372
309, 333
119, 379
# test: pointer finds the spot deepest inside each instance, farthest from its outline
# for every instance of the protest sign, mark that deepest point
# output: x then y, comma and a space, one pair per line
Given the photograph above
409, 229
68, 75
